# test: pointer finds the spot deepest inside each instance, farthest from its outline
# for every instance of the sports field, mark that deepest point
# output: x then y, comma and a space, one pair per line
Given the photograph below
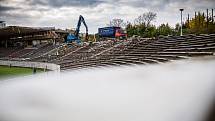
6, 71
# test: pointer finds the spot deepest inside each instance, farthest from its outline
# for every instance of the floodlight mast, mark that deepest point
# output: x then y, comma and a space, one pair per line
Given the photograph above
181, 21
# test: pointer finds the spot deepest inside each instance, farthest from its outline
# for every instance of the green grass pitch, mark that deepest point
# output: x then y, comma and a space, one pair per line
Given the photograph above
6, 71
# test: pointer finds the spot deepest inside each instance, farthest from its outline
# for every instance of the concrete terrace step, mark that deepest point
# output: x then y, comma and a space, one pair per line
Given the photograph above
198, 49
183, 45
143, 52
115, 61
131, 61
155, 59
87, 62
171, 53
169, 57
139, 60
197, 42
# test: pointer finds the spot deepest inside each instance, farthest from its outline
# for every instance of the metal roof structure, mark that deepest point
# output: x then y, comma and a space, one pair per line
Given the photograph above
16, 31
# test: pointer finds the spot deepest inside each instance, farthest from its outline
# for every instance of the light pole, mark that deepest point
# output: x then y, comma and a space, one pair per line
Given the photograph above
181, 20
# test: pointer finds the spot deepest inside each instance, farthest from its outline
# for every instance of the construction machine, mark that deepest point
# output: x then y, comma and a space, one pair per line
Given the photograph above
112, 32
75, 37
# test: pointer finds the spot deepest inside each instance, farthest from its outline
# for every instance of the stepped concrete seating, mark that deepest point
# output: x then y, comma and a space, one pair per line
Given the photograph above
21, 53
148, 51
129, 49
47, 55
81, 53
63, 64
133, 47
77, 67
66, 57
5, 52
167, 57
40, 51
95, 63
124, 61
112, 62
87, 52
195, 45
192, 49
139, 60
29, 53
181, 53
44, 50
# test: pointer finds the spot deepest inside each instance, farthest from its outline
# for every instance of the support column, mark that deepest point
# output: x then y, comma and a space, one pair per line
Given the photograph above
212, 16
207, 19
5, 43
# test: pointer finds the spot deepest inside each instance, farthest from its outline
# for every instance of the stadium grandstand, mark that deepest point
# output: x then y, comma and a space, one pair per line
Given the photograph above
47, 45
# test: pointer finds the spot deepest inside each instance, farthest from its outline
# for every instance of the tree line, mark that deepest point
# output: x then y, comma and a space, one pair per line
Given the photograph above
142, 26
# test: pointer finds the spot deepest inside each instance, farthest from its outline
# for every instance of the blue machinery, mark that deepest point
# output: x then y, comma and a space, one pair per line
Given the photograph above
75, 37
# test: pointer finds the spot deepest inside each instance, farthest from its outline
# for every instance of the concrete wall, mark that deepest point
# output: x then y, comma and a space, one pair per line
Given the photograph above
49, 66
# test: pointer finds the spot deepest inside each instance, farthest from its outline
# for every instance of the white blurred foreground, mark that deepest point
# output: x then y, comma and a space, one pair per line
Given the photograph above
178, 91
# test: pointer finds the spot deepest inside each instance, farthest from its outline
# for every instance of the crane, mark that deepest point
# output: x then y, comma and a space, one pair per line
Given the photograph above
75, 37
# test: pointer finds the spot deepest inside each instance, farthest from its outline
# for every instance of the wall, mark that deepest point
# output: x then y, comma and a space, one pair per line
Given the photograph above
2, 24
49, 66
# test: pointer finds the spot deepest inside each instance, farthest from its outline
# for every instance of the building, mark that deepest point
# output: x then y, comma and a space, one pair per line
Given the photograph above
13, 36
2, 24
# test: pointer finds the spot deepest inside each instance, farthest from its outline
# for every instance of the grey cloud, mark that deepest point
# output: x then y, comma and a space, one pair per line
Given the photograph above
22, 11
146, 3
67, 3
150, 5
163, 4
6, 8
17, 18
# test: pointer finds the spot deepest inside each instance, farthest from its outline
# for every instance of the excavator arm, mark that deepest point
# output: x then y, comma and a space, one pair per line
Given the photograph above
81, 20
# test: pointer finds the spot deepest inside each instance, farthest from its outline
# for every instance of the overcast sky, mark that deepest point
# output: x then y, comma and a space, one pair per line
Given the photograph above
97, 13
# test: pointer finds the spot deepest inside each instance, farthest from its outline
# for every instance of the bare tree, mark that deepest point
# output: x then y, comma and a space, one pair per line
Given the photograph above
150, 16
117, 23
146, 18
139, 20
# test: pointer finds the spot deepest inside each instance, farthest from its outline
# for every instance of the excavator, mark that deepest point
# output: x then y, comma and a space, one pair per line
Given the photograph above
75, 37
